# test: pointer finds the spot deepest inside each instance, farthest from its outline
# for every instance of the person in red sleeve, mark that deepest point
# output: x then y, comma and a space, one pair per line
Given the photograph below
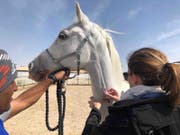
9, 107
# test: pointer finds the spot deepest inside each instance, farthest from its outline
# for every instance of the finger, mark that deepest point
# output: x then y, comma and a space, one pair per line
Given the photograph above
108, 93
112, 90
109, 96
60, 75
107, 90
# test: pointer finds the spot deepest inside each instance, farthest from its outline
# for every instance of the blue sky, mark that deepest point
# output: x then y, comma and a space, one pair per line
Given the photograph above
27, 27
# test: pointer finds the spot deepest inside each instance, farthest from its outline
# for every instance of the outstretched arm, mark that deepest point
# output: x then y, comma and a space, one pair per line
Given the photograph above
32, 95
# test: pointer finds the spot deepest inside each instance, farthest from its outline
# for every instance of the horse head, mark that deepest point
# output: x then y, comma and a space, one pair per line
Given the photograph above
82, 45
70, 44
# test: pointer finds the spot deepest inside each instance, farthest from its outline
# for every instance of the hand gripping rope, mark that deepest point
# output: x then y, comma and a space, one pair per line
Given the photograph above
61, 102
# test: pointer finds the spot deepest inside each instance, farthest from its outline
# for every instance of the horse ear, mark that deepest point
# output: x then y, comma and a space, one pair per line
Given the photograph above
80, 15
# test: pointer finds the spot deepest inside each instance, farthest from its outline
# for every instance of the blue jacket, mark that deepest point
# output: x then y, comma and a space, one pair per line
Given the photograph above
2, 129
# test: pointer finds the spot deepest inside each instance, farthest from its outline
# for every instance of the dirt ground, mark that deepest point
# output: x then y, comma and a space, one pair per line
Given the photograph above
32, 120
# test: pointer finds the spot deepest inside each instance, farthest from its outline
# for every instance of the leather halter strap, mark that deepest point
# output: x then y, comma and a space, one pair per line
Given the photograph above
77, 53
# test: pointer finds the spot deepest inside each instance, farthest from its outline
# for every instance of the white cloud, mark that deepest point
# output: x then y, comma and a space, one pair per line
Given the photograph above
168, 34
39, 10
174, 23
172, 29
100, 8
167, 41
171, 49
46, 9
133, 13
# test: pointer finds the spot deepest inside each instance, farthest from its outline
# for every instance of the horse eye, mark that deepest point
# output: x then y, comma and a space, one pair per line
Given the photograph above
62, 35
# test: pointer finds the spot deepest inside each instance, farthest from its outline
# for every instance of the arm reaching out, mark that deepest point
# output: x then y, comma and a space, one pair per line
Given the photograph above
32, 95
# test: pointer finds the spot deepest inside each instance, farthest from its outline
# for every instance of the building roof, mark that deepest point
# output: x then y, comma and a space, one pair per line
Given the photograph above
23, 68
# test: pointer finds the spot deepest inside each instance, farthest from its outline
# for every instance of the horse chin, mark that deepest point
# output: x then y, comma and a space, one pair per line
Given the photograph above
38, 77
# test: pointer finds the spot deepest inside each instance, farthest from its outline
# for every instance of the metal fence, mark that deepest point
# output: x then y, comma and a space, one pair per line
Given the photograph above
82, 79
22, 79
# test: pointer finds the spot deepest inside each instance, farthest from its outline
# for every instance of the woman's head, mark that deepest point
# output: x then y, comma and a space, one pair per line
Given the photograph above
147, 63
152, 67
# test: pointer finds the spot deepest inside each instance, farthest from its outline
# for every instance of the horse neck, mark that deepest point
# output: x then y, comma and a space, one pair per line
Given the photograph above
102, 74
106, 71
118, 79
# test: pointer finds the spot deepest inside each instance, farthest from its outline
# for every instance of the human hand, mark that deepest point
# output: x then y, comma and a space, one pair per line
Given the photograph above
93, 103
112, 94
61, 74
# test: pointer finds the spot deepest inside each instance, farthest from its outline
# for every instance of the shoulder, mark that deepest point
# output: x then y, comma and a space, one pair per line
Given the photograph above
4, 116
131, 103
151, 113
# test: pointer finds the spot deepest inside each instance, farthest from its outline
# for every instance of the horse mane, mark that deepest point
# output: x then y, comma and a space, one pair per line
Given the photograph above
115, 59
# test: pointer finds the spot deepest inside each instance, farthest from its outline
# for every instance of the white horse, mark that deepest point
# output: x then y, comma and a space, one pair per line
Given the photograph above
83, 45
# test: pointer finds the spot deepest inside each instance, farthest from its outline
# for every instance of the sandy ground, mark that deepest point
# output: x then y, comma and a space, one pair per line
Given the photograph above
32, 120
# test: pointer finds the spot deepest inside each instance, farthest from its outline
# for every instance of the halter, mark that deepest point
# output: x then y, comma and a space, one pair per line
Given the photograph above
77, 53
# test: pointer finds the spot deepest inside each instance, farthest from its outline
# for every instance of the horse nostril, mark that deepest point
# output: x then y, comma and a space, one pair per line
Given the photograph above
30, 66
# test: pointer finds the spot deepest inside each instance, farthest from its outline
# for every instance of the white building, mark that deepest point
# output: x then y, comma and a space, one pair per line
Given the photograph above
23, 77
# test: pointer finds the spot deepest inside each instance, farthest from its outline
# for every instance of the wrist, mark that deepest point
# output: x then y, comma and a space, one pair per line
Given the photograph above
47, 82
52, 78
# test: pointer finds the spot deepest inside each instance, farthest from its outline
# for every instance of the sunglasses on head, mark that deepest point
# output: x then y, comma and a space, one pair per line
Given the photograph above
125, 74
